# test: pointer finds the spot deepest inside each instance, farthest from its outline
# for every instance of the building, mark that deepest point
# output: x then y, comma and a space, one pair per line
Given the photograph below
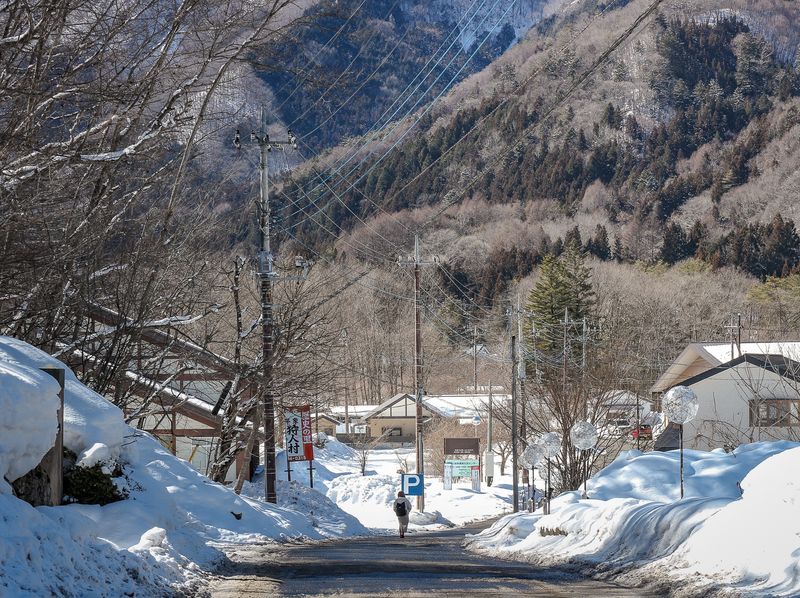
326, 424
173, 389
622, 409
746, 393
396, 419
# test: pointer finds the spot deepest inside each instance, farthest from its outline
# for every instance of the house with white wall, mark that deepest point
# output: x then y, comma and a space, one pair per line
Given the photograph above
747, 394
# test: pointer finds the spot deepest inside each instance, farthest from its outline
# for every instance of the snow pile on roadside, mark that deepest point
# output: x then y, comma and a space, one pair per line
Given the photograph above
753, 542
43, 556
369, 498
26, 433
161, 536
633, 520
321, 513
88, 417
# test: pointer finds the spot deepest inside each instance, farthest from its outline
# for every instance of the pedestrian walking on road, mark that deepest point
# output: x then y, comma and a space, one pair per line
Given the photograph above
402, 507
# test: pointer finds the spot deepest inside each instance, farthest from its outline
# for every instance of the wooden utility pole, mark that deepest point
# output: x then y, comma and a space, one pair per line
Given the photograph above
266, 275
417, 262
514, 431
475, 359
520, 371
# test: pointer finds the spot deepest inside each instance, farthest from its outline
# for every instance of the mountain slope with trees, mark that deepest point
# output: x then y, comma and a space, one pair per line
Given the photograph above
644, 156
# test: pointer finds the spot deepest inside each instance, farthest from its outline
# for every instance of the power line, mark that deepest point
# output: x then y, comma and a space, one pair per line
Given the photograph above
457, 195
410, 128
322, 49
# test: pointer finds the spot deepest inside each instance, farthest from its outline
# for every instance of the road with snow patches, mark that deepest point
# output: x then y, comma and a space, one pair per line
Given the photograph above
429, 565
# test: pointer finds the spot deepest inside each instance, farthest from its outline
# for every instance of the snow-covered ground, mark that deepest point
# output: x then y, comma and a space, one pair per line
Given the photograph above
369, 498
738, 526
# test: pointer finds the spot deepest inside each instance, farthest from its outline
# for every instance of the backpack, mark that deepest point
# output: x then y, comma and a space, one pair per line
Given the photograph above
400, 508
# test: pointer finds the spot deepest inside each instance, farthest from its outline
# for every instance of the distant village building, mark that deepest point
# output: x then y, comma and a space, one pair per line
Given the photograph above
746, 393
395, 420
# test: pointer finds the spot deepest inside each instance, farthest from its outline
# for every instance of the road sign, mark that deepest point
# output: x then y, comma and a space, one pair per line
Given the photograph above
299, 446
412, 484
462, 468
448, 476
462, 446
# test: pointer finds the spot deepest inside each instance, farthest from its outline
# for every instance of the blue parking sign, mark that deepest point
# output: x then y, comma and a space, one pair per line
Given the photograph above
412, 484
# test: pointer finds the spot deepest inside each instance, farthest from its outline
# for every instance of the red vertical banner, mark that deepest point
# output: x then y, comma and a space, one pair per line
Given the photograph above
308, 441
299, 441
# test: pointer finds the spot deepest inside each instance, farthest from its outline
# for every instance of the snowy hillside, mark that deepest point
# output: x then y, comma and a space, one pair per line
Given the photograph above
737, 526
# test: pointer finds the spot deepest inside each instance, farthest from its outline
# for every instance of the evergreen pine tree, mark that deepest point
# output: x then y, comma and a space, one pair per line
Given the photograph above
573, 238
676, 245
619, 252
599, 244
564, 284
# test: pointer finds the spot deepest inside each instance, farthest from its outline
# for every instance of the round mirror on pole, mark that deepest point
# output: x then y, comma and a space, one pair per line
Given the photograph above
551, 444
531, 457
584, 437
680, 405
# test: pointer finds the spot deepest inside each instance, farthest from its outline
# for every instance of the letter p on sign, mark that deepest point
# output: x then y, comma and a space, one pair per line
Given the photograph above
412, 484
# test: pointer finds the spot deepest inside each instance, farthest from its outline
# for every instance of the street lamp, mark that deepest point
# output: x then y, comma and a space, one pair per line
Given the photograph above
680, 406
584, 437
551, 443
531, 457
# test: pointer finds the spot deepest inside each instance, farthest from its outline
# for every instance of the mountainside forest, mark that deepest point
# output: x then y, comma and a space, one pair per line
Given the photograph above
620, 178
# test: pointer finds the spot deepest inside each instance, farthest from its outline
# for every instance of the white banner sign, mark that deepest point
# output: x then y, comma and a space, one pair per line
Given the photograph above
298, 441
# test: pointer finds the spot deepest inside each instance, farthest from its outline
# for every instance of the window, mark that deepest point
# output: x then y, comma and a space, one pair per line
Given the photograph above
773, 413
392, 431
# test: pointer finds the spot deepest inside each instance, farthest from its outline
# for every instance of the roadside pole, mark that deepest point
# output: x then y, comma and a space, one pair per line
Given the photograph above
514, 431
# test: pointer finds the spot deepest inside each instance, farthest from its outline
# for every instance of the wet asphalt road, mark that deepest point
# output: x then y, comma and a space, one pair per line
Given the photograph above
429, 565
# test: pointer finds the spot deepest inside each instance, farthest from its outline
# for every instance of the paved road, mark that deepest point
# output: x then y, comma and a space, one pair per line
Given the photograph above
428, 565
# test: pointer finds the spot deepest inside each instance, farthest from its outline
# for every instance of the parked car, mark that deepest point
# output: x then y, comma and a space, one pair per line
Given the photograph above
643, 432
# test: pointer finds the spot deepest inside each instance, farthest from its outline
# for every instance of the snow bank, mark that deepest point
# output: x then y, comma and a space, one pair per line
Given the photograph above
370, 497
753, 542
715, 536
88, 417
43, 556
28, 418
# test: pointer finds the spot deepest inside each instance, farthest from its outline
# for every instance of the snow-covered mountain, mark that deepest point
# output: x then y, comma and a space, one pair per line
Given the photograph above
476, 18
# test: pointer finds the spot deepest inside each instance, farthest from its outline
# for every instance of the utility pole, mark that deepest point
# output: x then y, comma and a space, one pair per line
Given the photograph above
417, 262
735, 328
514, 470
475, 358
267, 275
584, 340
564, 361
521, 391
346, 390
488, 461
739, 333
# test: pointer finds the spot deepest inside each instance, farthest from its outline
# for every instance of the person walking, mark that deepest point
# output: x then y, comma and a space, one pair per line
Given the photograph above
402, 507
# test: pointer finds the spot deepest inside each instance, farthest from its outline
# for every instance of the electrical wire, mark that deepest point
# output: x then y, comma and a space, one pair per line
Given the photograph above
411, 127
322, 49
